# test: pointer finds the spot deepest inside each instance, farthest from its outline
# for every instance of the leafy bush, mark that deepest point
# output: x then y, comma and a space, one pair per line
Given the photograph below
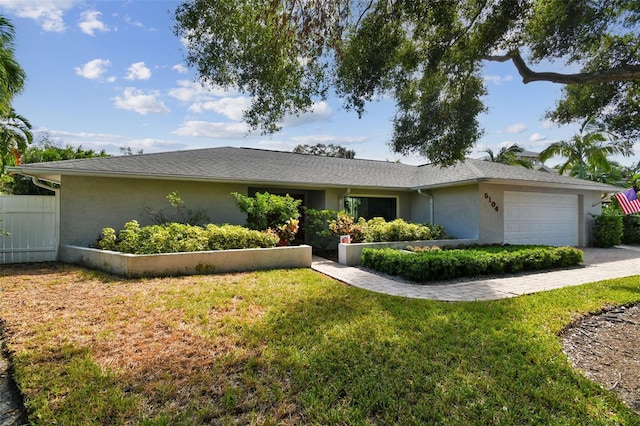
266, 210
631, 229
607, 230
178, 237
433, 265
316, 228
344, 224
377, 229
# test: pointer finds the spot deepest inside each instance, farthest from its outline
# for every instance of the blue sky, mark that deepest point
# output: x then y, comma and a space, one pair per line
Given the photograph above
111, 74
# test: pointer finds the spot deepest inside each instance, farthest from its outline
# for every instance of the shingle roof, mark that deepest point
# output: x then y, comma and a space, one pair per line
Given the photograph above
287, 168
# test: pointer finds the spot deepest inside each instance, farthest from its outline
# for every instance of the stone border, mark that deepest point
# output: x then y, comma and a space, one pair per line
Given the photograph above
191, 263
351, 254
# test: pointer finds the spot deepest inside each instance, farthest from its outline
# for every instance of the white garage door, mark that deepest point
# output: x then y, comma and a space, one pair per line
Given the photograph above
538, 218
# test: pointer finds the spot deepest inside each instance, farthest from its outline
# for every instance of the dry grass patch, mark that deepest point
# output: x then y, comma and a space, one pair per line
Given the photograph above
163, 344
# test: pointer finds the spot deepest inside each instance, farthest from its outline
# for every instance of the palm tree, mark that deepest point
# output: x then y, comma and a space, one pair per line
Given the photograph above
588, 150
15, 135
12, 76
508, 155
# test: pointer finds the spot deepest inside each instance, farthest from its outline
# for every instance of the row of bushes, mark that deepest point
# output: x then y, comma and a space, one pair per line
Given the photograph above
178, 237
436, 265
613, 229
379, 230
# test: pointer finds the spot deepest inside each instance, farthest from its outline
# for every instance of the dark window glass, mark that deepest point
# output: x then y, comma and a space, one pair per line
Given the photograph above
370, 207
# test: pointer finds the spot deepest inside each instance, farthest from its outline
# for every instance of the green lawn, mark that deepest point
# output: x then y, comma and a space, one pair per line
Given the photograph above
294, 347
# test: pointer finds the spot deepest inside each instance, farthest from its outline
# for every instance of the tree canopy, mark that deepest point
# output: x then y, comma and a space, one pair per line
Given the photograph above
330, 150
428, 55
587, 153
509, 155
43, 150
12, 76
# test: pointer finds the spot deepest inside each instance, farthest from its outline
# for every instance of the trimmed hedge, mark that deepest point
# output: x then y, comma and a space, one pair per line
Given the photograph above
607, 230
437, 265
631, 229
178, 237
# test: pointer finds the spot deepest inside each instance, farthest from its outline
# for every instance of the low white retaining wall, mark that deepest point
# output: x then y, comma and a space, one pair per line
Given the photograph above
351, 254
203, 262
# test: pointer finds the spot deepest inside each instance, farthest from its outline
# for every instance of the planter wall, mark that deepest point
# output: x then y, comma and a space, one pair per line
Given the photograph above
351, 254
205, 262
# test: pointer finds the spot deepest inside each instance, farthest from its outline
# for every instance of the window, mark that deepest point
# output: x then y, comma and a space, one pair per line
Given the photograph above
370, 207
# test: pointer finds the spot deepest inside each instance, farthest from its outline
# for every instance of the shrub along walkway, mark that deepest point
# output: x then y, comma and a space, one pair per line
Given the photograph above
599, 264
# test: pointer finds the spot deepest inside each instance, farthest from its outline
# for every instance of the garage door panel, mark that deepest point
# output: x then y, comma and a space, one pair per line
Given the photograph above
539, 218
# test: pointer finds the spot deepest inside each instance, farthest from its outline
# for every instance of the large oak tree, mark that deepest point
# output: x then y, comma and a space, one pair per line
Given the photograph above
427, 54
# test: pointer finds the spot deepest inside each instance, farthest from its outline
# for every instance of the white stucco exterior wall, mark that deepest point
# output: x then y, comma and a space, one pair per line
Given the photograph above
457, 209
89, 204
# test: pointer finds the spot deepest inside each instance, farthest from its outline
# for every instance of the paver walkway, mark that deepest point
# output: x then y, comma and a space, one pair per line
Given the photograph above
599, 264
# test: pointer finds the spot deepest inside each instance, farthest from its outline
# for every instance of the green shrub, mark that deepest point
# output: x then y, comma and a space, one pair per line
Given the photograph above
432, 265
316, 228
377, 230
178, 237
267, 211
631, 229
607, 230
344, 224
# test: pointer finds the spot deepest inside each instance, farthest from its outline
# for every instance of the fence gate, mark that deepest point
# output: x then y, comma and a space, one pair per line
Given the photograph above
32, 224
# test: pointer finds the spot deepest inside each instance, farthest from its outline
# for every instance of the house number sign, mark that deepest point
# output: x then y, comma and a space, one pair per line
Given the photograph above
491, 202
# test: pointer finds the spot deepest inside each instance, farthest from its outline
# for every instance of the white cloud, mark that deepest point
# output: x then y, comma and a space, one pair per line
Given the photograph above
547, 124
93, 70
321, 111
110, 142
205, 129
537, 137
498, 79
189, 91
180, 69
232, 108
47, 13
138, 71
516, 128
143, 103
90, 22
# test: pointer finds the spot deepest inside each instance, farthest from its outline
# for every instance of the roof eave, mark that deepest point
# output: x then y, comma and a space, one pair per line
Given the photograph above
586, 186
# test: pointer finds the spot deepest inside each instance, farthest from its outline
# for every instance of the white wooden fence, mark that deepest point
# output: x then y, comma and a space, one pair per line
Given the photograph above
33, 228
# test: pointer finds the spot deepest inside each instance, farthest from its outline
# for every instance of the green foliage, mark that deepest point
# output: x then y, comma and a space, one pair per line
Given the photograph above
434, 265
180, 214
378, 229
178, 237
429, 55
330, 150
42, 151
267, 211
588, 151
13, 76
631, 229
344, 224
316, 228
607, 230
508, 155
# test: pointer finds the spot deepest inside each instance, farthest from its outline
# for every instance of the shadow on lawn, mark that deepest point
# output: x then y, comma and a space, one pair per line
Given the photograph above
368, 358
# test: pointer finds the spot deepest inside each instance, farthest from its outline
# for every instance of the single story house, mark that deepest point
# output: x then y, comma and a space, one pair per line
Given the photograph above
475, 199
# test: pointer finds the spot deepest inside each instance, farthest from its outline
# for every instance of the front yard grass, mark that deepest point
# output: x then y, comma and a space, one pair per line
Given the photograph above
293, 347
